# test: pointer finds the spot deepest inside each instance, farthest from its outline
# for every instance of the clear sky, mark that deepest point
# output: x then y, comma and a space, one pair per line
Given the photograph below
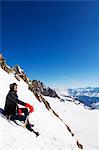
54, 42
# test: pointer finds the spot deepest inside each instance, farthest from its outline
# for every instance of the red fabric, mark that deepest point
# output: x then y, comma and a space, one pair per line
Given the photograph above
19, 111
30, 107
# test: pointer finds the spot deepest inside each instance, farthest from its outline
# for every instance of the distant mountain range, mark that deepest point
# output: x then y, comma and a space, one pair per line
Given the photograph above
89, 96
88, 91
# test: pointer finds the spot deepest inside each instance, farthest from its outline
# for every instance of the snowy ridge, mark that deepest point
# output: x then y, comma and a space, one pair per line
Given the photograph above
53, 133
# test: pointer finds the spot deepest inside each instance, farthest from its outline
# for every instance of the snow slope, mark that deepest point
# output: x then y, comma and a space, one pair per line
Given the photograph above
53, 133
83, 122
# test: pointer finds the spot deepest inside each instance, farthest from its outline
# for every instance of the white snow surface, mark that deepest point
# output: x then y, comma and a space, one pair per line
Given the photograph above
53, 133
83, 122
62, 91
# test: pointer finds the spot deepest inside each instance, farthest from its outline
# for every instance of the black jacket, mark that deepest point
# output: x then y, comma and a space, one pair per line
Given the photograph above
11, 104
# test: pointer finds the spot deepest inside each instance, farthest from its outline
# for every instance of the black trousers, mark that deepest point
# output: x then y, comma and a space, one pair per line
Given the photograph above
20, 117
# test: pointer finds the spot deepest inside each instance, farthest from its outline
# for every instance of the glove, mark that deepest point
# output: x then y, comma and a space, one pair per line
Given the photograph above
30, 107
19, 111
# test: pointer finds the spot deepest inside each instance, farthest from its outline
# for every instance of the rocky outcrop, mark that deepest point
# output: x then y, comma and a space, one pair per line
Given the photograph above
3, 64
20, 73
35, 86
39, 87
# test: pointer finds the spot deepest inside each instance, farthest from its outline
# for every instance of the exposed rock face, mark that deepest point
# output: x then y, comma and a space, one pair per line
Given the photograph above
3, 64
19, 72
35, 86
39, 87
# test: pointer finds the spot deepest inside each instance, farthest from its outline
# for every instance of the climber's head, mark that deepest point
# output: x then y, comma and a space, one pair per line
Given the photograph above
13, 87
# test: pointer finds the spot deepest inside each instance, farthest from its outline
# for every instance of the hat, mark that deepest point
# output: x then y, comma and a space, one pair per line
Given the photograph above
12, 86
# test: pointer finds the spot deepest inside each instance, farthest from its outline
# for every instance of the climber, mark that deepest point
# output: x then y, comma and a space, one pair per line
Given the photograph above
12, 110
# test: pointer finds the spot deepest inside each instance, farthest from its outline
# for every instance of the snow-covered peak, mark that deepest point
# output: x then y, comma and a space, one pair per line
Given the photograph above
62, 91
18, 69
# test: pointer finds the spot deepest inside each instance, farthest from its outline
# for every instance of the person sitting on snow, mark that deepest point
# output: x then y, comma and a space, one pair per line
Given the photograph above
13, 112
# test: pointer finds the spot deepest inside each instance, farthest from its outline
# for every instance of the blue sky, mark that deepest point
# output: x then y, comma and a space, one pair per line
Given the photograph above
55, 42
